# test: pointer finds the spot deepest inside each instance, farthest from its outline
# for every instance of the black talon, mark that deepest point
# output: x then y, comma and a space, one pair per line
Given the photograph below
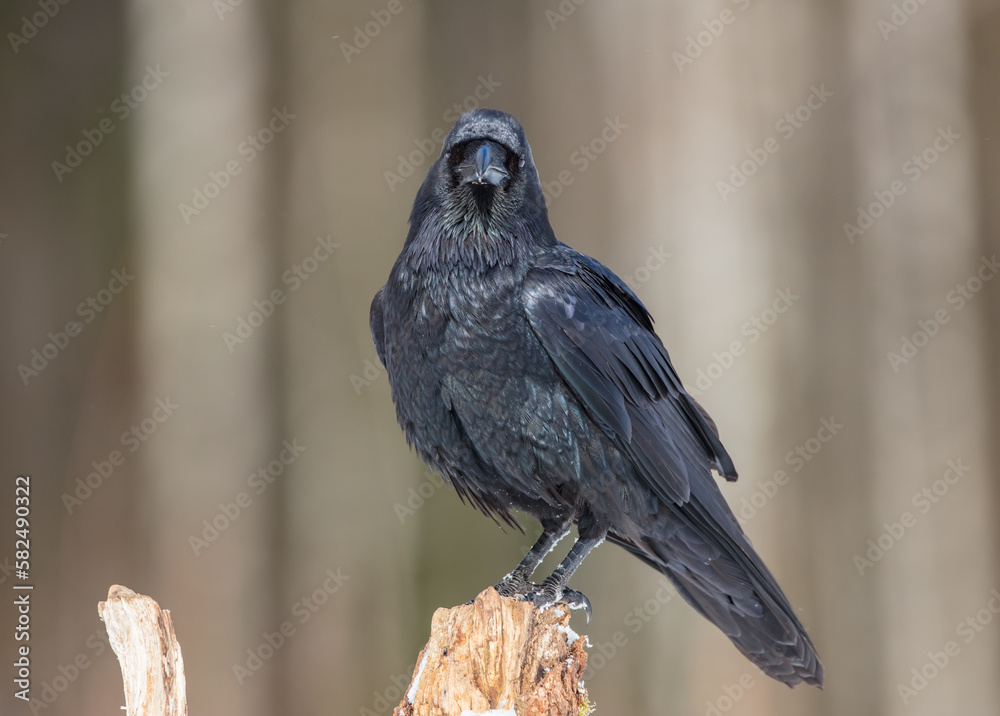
546, 596
577, 600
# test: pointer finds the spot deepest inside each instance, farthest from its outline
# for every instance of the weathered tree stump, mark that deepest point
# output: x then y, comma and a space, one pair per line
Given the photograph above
502, 657
142, 637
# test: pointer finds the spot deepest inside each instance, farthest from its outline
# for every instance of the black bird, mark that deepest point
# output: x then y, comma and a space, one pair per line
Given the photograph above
530, 377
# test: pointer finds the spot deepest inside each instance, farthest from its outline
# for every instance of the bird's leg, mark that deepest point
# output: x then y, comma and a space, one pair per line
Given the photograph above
554, 589
519, 580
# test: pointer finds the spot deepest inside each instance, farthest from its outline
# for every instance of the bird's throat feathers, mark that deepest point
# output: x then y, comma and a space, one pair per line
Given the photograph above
470, 237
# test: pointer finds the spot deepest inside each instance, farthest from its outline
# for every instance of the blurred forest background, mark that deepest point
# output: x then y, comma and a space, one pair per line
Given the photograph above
198, 200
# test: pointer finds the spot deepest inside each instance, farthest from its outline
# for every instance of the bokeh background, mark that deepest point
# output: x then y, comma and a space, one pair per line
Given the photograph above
215, 152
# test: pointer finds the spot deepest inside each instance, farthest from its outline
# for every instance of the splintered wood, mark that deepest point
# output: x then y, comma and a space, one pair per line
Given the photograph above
142, 637
499, 656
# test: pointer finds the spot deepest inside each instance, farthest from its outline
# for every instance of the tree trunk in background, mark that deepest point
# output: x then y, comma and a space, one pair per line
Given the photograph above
983, 24
197, 275
355, 118
59, 242
930, 410
818, 346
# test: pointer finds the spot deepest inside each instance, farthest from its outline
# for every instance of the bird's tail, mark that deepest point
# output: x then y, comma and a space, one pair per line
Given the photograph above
737, 593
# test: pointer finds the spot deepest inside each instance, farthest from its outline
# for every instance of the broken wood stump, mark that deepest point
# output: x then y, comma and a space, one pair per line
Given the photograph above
142, 637
499, 656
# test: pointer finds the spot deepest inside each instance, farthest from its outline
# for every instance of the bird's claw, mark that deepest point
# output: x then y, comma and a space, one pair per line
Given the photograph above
577, 600
514, 586
545, 596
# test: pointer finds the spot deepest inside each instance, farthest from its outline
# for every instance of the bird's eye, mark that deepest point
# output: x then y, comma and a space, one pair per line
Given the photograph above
520, 164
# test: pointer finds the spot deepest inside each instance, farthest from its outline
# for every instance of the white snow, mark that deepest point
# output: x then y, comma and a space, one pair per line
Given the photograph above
571, 636
557, 541
412, 693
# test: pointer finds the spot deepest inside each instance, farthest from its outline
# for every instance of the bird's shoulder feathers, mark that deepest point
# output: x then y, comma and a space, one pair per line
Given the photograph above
601, 338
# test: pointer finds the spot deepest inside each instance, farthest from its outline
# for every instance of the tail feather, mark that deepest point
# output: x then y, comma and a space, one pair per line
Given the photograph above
746, 604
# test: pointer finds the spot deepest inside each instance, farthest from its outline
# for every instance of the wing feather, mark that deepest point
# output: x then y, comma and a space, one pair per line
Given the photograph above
600, 337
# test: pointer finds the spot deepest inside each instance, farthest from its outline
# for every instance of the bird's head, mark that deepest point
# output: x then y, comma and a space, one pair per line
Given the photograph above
486, 177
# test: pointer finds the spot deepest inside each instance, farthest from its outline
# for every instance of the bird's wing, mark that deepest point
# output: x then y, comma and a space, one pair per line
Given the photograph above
375, 322
601, 338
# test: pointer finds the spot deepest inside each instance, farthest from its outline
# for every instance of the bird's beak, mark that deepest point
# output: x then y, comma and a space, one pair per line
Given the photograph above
486, 168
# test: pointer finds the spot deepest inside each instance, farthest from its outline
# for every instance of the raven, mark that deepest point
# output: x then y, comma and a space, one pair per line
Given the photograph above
530, 377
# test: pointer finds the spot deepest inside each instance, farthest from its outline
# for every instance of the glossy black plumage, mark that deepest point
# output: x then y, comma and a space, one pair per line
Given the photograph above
529, 375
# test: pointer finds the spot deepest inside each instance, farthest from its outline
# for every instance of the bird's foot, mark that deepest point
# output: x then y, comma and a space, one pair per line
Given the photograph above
545, 595
576, 599
515, 584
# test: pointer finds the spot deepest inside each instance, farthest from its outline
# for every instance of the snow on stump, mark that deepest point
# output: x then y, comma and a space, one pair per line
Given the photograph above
142, 637
501, 657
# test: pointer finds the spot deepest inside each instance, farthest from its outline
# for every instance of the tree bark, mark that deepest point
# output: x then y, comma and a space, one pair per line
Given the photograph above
142, 637
499, 656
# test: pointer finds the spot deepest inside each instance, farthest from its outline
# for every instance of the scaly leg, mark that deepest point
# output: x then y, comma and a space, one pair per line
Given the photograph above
554, 589
519, 581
